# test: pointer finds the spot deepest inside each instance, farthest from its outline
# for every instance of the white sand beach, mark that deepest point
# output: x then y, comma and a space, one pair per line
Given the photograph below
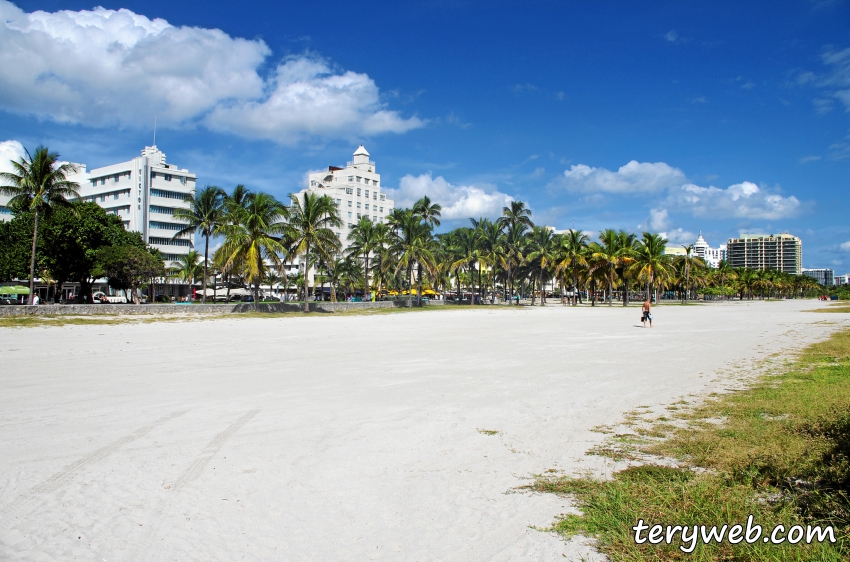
340, 437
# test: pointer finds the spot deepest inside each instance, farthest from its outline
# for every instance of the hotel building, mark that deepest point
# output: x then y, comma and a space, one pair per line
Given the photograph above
144, 192
781, 252
711, 256
825, 277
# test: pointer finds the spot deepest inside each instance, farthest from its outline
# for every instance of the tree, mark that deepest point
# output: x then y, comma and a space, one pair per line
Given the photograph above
127, 267
651, 264
573, 256
606, 257
413, 244
67, 243
363, 240
309, 231
187, 268
515, 220
255, 240
541, 256
38, 184
205, 216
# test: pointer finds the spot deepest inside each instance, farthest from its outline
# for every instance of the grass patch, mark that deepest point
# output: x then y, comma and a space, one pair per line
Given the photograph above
488, 431
837, 307
779, 450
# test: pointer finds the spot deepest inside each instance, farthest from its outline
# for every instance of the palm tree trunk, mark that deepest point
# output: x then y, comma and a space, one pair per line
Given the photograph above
32, 258
206, 259
418, 284
306, 285
410, 286
575, 286
366, 277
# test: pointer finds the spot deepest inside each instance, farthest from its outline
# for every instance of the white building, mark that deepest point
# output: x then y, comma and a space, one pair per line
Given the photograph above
144, 192
711, 256
825, 277
842, 279
356, 190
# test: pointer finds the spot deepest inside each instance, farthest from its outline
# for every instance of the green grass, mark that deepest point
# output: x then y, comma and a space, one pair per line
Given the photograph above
58, 320
779, 451
834, 307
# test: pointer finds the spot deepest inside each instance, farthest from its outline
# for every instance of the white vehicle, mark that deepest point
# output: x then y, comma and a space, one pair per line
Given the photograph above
102, 298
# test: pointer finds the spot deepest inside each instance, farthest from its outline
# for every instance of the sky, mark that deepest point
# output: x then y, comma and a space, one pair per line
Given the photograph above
676, 117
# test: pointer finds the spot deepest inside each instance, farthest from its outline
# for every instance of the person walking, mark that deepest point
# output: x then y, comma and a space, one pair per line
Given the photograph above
647, 314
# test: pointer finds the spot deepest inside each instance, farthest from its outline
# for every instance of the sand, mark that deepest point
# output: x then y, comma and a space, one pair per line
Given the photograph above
341, 437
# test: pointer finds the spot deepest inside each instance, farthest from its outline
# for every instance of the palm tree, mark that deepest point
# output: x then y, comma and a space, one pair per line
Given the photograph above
205, 215
606, 257
467, 253
573, 256
187, 268
256, 239
651, 264
363, 240
543, 246
309, 231
515, 220
724, 270
689, 262
413, 243
37, 184
517, 213
427, 212
626, 242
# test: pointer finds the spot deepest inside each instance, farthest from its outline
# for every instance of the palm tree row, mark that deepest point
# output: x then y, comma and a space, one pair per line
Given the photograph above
506, 257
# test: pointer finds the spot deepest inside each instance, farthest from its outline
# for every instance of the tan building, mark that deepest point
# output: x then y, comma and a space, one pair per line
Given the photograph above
781, 252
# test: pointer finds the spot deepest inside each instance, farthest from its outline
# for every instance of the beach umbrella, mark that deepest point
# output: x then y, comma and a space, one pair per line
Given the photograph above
15, 290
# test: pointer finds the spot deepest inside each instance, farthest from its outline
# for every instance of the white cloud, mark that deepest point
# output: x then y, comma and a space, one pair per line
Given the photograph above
307, 97
106, 67
741, 200
634, 177
845, 246
679, 236
458, 201
658, 219
671, 36
10, 150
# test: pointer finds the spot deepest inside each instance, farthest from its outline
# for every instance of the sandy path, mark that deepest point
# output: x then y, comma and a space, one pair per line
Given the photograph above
337, 438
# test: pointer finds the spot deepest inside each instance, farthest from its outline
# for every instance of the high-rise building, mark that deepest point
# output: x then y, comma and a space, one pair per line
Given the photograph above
842, 279
825, 277
356, 190
781, 252
711, 256
144, 192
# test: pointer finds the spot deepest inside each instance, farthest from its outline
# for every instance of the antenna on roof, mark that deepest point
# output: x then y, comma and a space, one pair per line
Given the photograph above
154, 130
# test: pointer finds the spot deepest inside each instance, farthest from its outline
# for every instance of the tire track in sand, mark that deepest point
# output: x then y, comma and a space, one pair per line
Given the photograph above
197, 466
29, 501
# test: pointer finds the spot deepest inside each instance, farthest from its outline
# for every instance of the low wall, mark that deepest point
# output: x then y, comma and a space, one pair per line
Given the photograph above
130, 309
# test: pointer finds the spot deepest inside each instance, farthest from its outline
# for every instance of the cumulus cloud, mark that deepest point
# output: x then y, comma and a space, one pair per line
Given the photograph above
845, 246
458, 201
741, 200
679, 236
658, 219
10, 150
635, 177
107, 67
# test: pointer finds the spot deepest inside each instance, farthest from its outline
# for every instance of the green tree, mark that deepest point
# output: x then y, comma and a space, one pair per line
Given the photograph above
205, 216
651, 265
38, 183
363, 240
188, 268
413, 244
309, 231
542, 256
255, 241
128, 267
573, 257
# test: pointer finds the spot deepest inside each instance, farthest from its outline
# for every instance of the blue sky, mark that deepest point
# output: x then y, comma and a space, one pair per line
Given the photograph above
675, 117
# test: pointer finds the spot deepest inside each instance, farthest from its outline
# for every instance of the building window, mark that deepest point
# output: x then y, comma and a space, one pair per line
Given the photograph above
367, 193
349, 214
358, 215
183, 180
374, 182
102, 181
349, 203
312, 183
349, 190
381, 209
168, 194
115, 178
383, 197
358, 204
162, 210
350, 178
115, 196
374, 219
358, 179
349, 224
167, 177
358, 192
